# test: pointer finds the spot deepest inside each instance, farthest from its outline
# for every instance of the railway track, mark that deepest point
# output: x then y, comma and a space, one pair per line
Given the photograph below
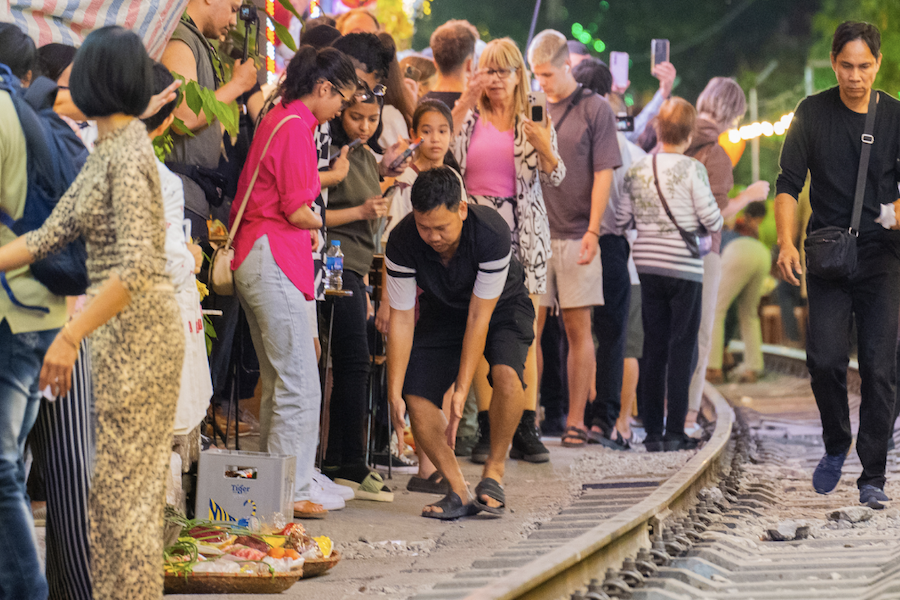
709, 530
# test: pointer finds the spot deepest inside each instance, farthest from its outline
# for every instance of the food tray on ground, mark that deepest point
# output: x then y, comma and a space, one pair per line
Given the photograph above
230, 583
317, 566
242, 583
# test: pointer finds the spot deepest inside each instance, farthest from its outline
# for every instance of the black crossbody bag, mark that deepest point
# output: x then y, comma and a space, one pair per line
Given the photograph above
831, 251
699, 243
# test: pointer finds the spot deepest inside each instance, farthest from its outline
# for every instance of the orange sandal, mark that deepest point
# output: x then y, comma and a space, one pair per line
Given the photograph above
309, 510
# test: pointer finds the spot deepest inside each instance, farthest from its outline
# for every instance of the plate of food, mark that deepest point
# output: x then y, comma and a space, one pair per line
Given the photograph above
215, 557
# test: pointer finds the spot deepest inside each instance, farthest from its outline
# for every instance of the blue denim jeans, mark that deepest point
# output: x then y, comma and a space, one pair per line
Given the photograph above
283, 338
21, 357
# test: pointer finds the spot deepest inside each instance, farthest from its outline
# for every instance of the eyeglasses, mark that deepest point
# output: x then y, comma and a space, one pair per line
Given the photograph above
345, 101
501, 73
366, 95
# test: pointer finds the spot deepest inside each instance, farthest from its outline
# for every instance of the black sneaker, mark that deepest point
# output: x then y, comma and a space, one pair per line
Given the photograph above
482, 448
526, 444
464, 445
684, 442
872, 496
654, 443
828, 473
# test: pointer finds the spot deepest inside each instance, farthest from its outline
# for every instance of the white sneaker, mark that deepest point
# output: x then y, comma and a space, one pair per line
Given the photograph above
327, 500
327, 485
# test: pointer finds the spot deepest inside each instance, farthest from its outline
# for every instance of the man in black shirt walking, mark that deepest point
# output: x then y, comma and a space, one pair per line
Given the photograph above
473, 303
825, 139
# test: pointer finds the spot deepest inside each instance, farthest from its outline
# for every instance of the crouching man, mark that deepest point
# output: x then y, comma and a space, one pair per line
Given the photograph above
473, 303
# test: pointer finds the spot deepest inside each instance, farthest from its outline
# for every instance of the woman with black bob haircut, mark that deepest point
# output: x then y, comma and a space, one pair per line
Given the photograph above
104, 83
131, 315
273, 265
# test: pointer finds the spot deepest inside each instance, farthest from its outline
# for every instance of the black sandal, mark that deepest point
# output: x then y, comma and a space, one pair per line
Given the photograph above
599, 437
435, 484
575, 434
452, 507
490, 488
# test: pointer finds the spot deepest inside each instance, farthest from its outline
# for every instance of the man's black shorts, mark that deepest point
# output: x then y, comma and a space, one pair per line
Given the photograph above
437, 345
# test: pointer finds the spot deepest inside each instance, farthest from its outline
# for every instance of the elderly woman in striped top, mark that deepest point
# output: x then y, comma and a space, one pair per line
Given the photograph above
669, 201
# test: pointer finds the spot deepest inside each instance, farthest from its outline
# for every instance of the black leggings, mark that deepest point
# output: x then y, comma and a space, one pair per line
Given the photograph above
671, 316
350, 369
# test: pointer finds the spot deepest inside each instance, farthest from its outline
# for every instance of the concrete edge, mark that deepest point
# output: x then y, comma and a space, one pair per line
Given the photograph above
632, 522
798, 354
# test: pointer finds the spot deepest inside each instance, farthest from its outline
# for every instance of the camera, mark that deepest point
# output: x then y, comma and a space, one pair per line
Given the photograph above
248, 14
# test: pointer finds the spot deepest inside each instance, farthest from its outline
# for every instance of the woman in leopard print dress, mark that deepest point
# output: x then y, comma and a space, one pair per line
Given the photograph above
137, 345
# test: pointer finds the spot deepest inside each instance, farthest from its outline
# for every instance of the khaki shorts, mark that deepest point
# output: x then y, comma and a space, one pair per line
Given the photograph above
574, 285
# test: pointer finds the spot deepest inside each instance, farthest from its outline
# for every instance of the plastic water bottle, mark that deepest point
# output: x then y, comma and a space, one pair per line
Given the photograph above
334, 267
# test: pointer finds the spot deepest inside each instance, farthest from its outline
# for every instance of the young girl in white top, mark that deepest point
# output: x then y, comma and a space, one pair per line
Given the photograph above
432, 122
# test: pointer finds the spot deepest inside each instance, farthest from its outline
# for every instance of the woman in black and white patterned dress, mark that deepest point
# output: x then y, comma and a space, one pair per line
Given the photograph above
504, 158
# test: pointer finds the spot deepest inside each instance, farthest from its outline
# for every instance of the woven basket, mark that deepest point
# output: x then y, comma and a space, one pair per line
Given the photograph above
241, 583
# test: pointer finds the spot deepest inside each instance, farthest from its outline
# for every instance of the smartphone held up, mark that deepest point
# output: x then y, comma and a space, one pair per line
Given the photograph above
537, 108
659, 52
618, 67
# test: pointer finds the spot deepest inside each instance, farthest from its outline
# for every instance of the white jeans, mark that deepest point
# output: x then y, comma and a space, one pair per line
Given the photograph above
745, 264
712, 274
278, 317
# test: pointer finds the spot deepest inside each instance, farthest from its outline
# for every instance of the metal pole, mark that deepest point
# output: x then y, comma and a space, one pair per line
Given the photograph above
754, 143
534, 17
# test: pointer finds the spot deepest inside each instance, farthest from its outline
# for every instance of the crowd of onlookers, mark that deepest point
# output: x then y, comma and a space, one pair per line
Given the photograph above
618, 230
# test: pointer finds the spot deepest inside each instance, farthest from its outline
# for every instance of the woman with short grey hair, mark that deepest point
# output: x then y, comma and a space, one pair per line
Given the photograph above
720, 107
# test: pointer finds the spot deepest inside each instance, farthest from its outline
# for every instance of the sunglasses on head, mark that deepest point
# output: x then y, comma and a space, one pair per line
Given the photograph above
364, 94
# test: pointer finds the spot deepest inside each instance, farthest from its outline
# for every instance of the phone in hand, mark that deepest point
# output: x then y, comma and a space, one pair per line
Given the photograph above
406, 154
350, 147
659, 52
618, 66
537, 108
624, 123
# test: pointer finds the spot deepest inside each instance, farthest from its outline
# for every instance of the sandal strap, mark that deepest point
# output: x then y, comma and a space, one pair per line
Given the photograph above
574, 432
373, 483
450, 501
492, 489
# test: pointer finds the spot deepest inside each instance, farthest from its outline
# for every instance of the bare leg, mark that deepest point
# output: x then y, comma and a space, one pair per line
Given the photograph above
538, 332
426, 467
505, 414
429, 427
532, 382
581, 361
483, 390
630, 373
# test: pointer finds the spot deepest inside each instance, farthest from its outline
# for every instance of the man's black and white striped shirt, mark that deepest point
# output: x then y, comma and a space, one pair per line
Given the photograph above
483, 265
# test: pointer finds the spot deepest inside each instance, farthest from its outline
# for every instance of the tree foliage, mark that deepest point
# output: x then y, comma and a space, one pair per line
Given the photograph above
884, 14
708, 37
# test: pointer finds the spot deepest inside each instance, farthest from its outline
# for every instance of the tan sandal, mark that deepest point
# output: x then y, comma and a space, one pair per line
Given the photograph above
309, 510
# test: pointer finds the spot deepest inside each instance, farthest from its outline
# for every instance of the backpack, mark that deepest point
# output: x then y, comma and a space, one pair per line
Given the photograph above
55, 155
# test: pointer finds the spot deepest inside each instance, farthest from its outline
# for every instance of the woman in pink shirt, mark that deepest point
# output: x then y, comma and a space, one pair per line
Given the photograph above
505, 158
273, 256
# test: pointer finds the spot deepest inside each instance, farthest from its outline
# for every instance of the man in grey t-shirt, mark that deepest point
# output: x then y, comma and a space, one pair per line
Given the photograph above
586, 129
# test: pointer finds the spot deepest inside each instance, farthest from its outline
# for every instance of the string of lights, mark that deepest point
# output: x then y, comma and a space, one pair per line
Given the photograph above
271, 77
755, 130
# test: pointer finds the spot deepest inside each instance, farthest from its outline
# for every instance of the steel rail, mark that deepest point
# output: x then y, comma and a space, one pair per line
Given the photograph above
565, 569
